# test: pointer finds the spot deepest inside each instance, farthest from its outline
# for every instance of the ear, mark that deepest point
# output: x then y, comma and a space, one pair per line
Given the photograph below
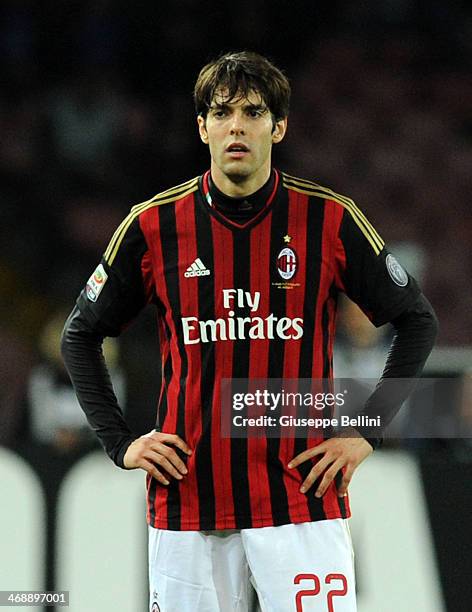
279, 130
202, 129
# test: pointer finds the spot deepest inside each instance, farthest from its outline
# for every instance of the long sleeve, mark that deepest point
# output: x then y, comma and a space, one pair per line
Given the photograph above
415, 333
82, 352
373, 278
115, 293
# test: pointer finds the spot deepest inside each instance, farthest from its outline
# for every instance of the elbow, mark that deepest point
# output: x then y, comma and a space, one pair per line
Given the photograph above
65, 339
73, 327
429, 319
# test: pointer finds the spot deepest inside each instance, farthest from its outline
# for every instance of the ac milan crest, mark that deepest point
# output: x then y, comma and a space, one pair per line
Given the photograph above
287, 263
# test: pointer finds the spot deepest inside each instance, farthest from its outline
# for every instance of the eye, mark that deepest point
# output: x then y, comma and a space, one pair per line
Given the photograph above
219, 113
255, 112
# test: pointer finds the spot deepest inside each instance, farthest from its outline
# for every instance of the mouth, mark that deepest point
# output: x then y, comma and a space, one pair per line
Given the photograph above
237, 150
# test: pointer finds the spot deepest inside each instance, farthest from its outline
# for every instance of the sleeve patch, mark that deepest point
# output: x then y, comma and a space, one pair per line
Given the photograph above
396, 272
96, 283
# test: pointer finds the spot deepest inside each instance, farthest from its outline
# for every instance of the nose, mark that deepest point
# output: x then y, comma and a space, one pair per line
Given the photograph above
237, 124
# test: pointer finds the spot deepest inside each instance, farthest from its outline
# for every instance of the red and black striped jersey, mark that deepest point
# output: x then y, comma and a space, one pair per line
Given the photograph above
241, 301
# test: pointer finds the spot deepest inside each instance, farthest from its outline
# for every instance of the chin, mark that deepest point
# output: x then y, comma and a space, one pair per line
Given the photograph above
237, 176
237, 172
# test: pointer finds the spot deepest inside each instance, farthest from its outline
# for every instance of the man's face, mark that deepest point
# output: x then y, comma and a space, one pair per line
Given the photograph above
240, 134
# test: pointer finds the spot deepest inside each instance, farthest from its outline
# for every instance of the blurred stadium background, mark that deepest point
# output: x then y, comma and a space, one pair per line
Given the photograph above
97, 115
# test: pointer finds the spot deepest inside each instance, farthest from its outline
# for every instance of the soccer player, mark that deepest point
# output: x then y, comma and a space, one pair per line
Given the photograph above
243, 265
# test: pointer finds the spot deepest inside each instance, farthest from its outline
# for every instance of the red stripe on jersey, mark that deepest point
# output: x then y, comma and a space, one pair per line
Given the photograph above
261, 507
146, 273
149, 288
188, 291
221, 447
164, 351
149, 221
295, 297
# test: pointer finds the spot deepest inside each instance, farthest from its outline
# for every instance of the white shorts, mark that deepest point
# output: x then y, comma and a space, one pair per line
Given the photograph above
306, 567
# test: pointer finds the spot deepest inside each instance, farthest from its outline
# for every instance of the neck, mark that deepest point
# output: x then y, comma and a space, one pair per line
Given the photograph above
237, 186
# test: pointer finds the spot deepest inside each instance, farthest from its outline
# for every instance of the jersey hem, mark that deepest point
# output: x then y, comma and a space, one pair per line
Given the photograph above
245, 522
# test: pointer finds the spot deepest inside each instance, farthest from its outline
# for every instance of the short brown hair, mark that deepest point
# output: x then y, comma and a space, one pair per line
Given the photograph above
241, 73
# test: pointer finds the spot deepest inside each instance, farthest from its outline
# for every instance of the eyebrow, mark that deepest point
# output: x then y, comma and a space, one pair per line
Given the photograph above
249, 106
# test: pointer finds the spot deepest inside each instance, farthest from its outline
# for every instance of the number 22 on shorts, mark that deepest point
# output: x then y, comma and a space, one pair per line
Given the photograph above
317, 588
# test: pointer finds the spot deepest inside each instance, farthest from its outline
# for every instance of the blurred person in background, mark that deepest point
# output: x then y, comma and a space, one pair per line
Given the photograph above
15, 364
86, 117
54, 413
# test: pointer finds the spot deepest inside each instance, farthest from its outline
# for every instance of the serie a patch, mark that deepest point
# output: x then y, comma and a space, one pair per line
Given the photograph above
96, 283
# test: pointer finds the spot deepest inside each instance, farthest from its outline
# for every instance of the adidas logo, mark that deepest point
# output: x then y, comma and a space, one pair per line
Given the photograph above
196, 269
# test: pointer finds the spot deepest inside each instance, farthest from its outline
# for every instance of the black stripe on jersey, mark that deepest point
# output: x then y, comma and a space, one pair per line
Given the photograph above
314, 235
342, 504
327, 385
314, 246
327, 372
170, 254
239, 459
206, 311
277, 306
325, 326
